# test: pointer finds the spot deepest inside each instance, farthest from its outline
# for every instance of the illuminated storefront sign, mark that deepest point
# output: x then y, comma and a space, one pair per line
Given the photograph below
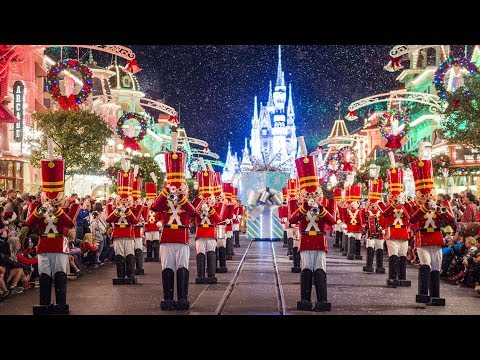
18, 94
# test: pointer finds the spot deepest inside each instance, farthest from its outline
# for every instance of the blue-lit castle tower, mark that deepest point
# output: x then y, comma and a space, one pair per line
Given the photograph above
273, 139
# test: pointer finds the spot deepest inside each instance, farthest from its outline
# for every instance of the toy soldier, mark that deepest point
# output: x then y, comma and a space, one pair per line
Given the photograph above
375, 223
152, 223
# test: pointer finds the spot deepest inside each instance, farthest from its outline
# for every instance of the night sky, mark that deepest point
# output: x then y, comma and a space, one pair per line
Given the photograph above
214, 86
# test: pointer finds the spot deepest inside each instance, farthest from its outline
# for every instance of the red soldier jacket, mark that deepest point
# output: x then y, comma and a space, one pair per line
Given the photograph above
206, 225
238, 211
430, 222
292, 206
122, 225
151, 219
375, 231
51, 227
355, 220
137, 229
396, 221
176, 218
312, 227
227, 214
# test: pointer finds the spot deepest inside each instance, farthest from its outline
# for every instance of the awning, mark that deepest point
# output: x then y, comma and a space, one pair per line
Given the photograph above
6, 115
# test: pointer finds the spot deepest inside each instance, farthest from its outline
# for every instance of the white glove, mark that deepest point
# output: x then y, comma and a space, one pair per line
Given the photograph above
205, 207
312, 203
227, 221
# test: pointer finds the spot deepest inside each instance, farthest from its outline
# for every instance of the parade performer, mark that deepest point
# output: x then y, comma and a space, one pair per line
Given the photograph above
396, 224
429, 239
293, 232
227, 217
375, 224
311, 218
355, 222
283, 215
123, 220
339, 227
237, 217
152, 222
220, 231
206, 220
343, 217
176, 212
139, 226
53, 224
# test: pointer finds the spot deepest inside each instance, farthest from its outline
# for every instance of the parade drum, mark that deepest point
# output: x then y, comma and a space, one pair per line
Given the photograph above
221, 232
468, 229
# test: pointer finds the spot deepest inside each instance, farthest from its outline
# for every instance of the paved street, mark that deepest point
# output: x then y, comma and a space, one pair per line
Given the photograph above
252, 286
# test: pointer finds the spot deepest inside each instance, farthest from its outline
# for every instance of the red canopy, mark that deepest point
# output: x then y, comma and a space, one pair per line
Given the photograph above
6, 115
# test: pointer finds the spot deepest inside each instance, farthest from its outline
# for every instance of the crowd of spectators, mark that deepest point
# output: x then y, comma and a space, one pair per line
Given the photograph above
90, 242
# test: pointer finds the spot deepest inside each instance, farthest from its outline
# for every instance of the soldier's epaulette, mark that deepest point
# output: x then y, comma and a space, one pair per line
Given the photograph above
37, 214
323, 213
302, 210
58, 212
183, 201
164, 192
211, 212
129, 212
424, 209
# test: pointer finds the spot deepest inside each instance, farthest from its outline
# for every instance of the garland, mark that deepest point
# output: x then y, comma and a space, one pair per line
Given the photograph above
132, 142
53, 84
439, 78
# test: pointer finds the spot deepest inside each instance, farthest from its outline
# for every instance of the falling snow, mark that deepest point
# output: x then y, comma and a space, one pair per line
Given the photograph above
213, 86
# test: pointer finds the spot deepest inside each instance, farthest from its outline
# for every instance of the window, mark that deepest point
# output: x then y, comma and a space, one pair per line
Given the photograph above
431, 57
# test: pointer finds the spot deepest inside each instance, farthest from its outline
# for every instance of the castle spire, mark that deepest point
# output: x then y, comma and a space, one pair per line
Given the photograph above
245, 149
255, 112
290, 111
270, 95
280, 74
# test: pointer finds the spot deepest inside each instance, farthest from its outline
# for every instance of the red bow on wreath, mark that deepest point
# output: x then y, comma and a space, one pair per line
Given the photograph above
352, 115
68, 102
173, 120
132, 66
130, 142
393, 64
394, 142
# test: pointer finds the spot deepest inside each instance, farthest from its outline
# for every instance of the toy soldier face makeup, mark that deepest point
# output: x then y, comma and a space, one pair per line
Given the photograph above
353, 205
422, 199
316, 195
372, 206
126, 202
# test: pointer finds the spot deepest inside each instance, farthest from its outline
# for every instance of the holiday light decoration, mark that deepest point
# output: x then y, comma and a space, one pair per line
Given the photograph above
393, 120
53, 83
438, 79
440, 162
130, 140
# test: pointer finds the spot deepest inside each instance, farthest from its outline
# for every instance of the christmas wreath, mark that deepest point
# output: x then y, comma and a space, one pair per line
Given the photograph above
405, 158
53, 84
131, 141
438, 79
440, 162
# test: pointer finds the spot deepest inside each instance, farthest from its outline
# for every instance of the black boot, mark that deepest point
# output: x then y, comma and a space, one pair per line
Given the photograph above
305, 290
296, 261
345, 244
139, 262
320, 279
216, 258
182, 289
236, 235
290, 248
402, 272
392, 280
338, 236
120, 262
351, 248
168, 277
423, 285
200, 269
358, 250
149, 251
370, 254
60, 306
379, 269
435, 298
45, 306
222, 255
156, 250
211, 261
130, 270
229, 248
285, 239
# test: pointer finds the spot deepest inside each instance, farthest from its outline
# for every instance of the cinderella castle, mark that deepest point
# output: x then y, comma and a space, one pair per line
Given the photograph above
273, 141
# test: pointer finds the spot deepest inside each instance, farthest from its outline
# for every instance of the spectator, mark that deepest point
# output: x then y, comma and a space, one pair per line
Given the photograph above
83, 220
108, 253
75, 253
4, 292
462, 263
98, 231
14, 271
470, 213
89, 250
29, 257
